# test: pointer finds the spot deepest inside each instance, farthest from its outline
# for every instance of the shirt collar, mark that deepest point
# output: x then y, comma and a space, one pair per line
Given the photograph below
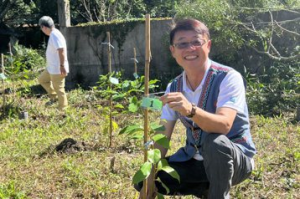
199, 88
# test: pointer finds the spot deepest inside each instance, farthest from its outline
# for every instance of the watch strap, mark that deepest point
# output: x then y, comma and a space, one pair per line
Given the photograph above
193, 111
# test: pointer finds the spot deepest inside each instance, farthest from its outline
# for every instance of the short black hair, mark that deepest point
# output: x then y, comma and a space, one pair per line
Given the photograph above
189, 24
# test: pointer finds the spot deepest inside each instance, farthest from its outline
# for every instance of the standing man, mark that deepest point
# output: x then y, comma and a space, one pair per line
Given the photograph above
209, 99
53, 77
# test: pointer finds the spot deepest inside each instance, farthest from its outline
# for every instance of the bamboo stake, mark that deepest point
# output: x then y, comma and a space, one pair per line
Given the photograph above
146, 122
110, 86
11, 65
109, 52
135, 65
2, 65
2, 71
9, 47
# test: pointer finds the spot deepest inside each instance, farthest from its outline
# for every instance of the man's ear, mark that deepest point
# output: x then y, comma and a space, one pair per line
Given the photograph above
209, 44
172, 49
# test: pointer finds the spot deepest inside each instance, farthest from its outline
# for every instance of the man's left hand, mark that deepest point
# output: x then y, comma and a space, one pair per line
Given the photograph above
63, 71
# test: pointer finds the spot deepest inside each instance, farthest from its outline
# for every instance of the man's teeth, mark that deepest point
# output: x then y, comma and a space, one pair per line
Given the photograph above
191, 57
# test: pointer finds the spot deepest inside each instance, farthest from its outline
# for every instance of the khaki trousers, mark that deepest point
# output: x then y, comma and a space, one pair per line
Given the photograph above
55, 87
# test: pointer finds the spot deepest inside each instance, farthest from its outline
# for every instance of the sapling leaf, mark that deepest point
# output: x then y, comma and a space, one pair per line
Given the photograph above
153, 155
133, 108
153, 81
157, 127
142, 173
162, 140
161, 164
119, 96
125, 84
133, 99
131, 129
137, 136
171, 172
164, 186
119, 106
115, 125
114, 80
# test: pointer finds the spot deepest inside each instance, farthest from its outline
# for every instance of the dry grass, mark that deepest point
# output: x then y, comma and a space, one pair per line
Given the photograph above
30, 169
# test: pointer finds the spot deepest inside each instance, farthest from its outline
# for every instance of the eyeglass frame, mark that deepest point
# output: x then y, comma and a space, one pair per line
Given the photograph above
189, 44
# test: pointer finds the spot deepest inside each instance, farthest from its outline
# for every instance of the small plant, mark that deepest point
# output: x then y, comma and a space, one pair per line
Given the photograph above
126, 92
120, 93
154, 161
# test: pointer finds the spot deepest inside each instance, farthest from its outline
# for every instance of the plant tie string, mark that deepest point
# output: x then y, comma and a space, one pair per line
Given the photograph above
135, 60
107, 43
148, 144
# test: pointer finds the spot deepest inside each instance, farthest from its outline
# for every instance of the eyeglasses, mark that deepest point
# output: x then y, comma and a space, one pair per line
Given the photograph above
196, 43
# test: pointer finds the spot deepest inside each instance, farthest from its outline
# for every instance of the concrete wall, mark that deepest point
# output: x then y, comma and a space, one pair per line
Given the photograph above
88, 56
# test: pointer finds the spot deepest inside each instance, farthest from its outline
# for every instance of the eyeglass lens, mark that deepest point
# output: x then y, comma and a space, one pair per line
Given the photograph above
196, 43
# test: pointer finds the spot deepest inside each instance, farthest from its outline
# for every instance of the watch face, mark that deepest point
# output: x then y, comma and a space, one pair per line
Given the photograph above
193, 111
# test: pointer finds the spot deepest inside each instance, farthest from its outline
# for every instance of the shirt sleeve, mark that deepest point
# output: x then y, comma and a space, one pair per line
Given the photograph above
167, 112
57, 41
232, 92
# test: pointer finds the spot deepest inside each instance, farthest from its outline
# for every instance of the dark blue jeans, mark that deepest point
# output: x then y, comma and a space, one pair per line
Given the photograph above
224, 165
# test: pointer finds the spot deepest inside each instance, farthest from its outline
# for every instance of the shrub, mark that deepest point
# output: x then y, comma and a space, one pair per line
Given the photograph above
275, 91
23, 61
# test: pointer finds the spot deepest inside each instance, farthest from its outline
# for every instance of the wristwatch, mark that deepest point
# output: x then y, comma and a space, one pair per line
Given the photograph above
193, 111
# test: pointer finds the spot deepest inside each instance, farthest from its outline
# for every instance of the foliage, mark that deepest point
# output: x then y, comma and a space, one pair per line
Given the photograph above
239, 23
16, 12
23, 61
107, 10
126, 92
275, 91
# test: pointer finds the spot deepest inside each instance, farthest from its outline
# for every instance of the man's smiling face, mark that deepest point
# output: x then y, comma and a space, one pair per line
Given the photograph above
190, 49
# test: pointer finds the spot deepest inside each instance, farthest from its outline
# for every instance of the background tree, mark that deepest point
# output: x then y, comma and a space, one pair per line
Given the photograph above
240, 23
106, 10
271, 28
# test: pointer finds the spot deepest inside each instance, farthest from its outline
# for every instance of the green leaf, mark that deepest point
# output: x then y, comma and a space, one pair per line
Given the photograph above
142, 173
161, 164
115, 125
119, 106
171, 172
153, 155
133, 108
162, 140
119, 96
137, 136
164, 185
157, 127
131, 129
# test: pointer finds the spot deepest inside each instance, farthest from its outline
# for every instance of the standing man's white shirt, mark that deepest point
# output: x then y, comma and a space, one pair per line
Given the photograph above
55, 42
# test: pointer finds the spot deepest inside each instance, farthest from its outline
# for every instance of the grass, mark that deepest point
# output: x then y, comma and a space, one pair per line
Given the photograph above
30, 167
